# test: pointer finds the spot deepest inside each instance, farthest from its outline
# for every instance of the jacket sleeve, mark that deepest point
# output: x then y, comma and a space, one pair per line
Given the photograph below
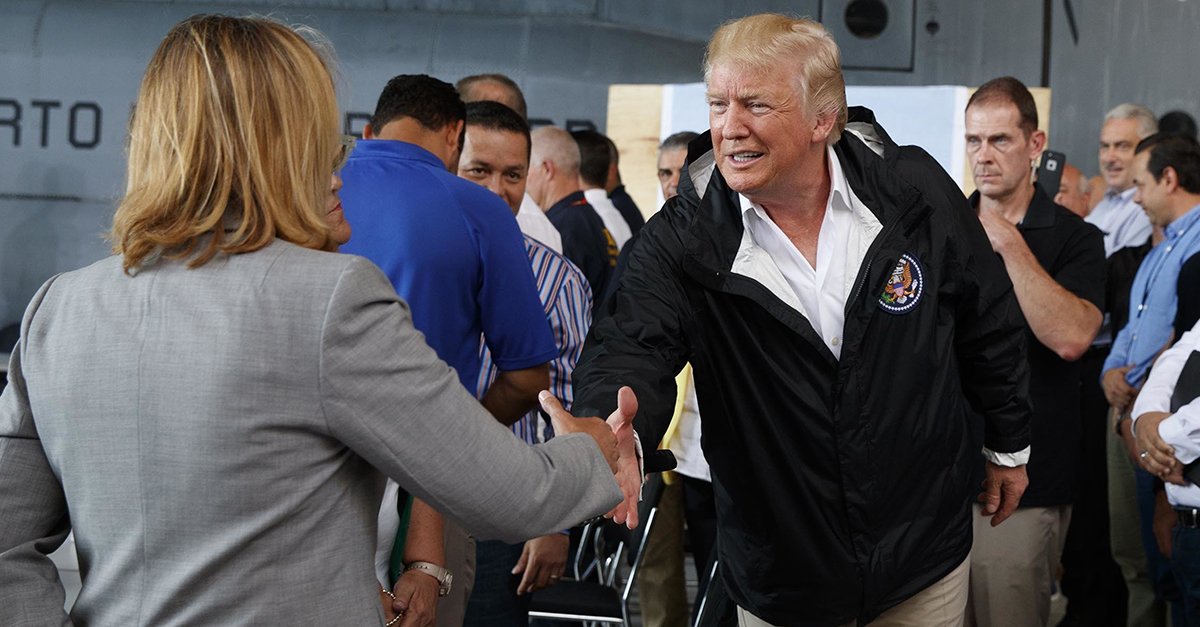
388, 397
638, 339
33, 508
989, 335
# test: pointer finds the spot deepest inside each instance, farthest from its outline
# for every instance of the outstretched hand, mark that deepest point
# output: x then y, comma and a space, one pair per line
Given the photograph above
629, 473
616, 441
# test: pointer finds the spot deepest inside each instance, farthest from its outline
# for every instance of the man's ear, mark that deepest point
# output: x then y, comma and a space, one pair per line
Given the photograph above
822, 127
368, 132
1170, 178
454, 134
1037, 143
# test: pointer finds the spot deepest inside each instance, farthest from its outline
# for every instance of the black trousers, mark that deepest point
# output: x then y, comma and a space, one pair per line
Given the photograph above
1091, 580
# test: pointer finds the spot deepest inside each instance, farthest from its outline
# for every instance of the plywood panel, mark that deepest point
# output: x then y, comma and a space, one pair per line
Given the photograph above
634, 122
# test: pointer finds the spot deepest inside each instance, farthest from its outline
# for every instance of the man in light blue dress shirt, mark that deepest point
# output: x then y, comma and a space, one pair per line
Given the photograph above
1118, 215
1167, 182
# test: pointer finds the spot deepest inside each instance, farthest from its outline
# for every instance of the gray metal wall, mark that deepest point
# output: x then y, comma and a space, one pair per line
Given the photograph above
66, 63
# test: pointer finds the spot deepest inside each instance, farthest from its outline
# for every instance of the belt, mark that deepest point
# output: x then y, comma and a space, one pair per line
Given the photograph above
1188, 517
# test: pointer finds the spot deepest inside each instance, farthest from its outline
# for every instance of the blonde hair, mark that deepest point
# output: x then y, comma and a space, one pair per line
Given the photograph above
766, 40
235, 129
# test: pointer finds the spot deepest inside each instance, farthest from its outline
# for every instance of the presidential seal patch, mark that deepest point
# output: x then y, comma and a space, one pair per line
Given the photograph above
904, 287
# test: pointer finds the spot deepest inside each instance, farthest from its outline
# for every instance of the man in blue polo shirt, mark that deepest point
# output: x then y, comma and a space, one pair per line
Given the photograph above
454, 253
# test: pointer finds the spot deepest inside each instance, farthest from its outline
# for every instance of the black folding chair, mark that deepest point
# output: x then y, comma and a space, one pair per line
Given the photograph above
594, 596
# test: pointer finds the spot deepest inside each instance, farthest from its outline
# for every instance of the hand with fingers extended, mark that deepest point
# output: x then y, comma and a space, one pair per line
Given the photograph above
617, 442
1155, 456
543, 562
1002, 490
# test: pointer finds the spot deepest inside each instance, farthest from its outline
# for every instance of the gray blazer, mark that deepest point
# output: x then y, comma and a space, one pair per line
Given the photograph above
213, 438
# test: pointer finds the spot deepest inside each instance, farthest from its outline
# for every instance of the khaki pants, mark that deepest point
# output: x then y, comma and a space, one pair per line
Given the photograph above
1125, 536
660, 582
1013, 566
460, 561
939, 605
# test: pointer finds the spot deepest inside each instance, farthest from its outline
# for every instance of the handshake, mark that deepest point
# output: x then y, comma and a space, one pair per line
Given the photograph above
616, 440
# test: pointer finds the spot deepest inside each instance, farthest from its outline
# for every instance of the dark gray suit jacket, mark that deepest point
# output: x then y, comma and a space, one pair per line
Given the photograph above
213, 438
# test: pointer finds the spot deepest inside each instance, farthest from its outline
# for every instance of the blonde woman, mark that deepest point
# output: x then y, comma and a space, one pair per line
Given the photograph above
207, 408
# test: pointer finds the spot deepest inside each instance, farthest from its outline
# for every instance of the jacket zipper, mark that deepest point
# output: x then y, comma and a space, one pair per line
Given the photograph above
871, 259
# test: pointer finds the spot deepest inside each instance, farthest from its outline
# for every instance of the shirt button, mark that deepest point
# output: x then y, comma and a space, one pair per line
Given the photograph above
834, 341
1168, 249
1141, 307
1135, 336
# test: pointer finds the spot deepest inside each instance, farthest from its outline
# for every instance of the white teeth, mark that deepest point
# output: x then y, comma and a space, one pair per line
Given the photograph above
747, 156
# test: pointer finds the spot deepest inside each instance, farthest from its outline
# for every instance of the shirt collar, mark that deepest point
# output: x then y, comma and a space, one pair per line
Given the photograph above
1040, 213
1127, 195
596, 196
395, 149
1185, 222
574, 198
839, 189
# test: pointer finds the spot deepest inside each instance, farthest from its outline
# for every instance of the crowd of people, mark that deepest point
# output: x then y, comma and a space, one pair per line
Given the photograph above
335, 381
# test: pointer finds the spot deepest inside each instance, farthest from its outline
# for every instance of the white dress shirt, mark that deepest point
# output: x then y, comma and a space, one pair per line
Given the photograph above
1181, 430
613, 221
1123, 221
535, 224
819, 292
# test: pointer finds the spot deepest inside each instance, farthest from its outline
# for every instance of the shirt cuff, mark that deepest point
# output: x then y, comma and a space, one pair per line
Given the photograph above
1173, 431
637, 446
1011, 460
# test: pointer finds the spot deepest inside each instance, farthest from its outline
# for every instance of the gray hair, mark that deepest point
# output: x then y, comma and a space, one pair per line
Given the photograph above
1147, 122
678, 141
555, 145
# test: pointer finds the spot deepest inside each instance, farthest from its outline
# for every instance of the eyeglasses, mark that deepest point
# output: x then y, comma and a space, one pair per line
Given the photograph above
348, 142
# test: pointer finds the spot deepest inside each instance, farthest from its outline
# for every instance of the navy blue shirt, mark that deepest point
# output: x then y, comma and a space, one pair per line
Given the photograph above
1071, 251
452, 250
585, 242
629, 209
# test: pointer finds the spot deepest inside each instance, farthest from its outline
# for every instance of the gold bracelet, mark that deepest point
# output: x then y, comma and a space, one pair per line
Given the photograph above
398, 616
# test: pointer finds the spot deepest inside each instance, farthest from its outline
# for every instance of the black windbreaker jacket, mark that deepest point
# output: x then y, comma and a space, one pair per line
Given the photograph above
842, 487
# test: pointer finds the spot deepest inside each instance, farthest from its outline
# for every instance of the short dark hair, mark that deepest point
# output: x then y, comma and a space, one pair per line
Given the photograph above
466, 84
1178, 122
1178, 152
433, 103
594, 157
678, 141
494, 116
1008, 90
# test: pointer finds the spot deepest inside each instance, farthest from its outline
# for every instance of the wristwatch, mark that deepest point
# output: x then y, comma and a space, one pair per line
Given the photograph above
443, 576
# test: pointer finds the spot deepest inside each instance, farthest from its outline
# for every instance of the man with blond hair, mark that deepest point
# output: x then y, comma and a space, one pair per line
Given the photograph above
843, 313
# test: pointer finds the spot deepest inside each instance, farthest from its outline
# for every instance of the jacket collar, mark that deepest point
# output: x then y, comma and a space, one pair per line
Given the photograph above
574, 198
